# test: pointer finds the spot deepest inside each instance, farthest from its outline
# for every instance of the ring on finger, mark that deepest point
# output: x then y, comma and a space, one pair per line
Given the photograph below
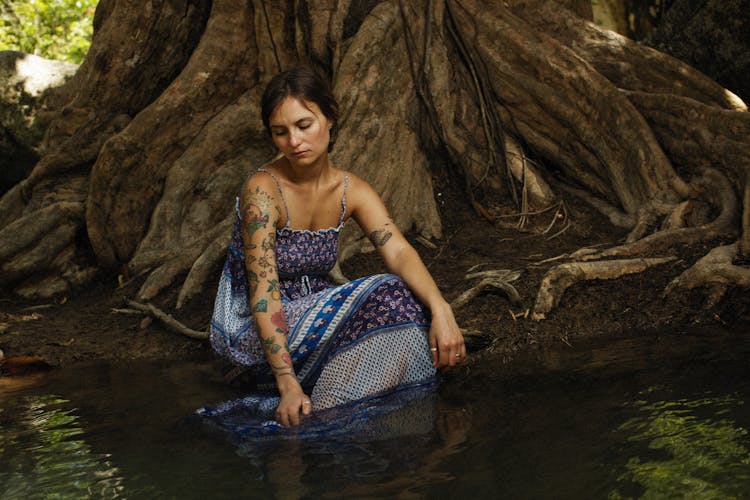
433, 349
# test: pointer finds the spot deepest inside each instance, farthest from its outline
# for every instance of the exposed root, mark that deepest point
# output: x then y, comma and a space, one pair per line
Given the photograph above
168, 321
616, 216
645, 222
425, 242
203, 269
744, 243
716, 271
165, 275
499, 279
561, 214
337, 275
560, 278
35, 226
718, 192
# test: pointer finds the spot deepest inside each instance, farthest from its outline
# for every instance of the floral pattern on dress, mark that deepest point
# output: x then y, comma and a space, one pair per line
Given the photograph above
391, 303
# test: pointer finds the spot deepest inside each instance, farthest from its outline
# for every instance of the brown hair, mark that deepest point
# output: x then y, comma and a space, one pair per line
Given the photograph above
305, 83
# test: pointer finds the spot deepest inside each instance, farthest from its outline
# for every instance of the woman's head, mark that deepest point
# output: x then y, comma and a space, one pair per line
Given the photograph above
305, 84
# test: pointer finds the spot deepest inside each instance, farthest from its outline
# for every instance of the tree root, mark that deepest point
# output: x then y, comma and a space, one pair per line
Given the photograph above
561, 277
167, 319
744, 243
716, 271
203, 269
718, 192
499, 279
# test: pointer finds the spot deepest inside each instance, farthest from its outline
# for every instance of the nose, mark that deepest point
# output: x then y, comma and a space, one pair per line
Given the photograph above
294, 139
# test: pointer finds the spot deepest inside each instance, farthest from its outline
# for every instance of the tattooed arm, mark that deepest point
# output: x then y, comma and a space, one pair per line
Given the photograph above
403, 260
260, 209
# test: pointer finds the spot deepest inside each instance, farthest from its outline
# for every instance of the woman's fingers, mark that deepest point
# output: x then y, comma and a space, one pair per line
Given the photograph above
306, 407
290, 416
449, 353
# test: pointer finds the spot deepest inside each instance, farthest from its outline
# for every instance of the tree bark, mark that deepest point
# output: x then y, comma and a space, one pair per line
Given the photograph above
148, 144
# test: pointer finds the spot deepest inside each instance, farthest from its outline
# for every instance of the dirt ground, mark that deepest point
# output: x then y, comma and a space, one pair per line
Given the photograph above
83, 325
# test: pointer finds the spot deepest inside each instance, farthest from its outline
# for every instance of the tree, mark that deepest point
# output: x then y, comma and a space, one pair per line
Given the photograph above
53, 29
530, 102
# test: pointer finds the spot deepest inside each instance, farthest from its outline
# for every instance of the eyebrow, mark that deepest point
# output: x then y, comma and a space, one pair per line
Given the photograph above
305, 118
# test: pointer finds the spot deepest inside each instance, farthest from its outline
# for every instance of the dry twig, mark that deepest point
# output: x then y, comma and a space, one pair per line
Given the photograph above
167, 320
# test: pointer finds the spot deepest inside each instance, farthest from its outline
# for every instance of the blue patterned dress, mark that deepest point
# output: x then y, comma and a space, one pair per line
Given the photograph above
349, 343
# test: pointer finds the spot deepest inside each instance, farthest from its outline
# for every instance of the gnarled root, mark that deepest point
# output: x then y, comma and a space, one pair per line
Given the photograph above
561, 277
499, 279
716, 271
717, 191
38, 251
203, 270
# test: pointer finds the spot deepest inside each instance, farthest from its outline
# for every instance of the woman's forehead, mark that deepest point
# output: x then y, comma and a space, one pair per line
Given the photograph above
292, 109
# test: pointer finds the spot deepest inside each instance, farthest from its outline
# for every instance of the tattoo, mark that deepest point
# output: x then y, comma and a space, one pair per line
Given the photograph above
264, 262
270, 345
287, 368
252, 279
279, 321
273, 287
259, 217
380, 237
268, 245
287, 359
254, 218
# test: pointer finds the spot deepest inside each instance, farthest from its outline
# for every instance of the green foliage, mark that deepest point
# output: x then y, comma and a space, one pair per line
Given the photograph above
54, 29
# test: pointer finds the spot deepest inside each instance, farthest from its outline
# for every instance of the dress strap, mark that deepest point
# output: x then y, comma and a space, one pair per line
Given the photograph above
343, 199
278, 185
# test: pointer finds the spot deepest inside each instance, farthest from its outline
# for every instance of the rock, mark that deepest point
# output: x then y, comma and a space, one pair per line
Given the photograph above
24, 78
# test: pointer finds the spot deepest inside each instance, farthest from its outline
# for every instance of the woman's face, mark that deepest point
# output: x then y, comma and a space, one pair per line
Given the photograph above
300, 130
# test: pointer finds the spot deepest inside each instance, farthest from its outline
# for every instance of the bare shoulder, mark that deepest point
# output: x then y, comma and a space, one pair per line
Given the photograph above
260, 199
259, 183
360, 191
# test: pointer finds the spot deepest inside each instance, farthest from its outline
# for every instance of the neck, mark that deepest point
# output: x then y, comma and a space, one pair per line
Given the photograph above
308, 173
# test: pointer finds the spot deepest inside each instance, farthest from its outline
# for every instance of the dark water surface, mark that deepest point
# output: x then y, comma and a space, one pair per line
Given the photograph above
652, 416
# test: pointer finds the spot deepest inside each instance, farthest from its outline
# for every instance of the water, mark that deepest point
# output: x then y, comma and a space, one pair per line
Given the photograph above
644, 417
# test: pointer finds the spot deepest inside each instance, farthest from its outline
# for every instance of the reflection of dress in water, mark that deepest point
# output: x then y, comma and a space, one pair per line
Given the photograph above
348, 343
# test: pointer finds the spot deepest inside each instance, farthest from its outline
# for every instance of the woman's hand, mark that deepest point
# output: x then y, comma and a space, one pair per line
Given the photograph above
293, 402
446, 341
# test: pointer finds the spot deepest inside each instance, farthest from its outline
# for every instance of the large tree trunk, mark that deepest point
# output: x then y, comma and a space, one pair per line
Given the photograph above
154, 136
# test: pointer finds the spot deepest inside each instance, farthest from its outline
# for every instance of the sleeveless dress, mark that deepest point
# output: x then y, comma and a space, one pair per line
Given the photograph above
349, 343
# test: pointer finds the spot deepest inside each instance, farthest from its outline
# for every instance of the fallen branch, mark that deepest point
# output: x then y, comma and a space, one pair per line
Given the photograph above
560, 278
167, 320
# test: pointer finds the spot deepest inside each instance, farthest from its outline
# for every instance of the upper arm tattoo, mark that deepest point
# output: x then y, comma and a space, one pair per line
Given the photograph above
380, 237
258, 217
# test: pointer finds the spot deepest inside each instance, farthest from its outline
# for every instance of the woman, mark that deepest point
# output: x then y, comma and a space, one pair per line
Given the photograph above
276, 312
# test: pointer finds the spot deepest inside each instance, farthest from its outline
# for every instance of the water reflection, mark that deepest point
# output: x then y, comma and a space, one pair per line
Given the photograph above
42, 454
687, 448
672, 425
405, 448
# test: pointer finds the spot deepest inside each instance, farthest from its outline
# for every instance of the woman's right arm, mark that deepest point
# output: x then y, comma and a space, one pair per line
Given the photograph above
260, 211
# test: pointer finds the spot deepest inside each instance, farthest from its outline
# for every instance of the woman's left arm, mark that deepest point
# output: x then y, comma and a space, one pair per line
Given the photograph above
402, 259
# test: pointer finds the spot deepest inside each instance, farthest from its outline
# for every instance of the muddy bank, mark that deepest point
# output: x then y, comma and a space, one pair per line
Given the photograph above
84, 326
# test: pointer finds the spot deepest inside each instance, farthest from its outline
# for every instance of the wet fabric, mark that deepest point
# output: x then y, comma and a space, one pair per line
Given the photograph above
350, 344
